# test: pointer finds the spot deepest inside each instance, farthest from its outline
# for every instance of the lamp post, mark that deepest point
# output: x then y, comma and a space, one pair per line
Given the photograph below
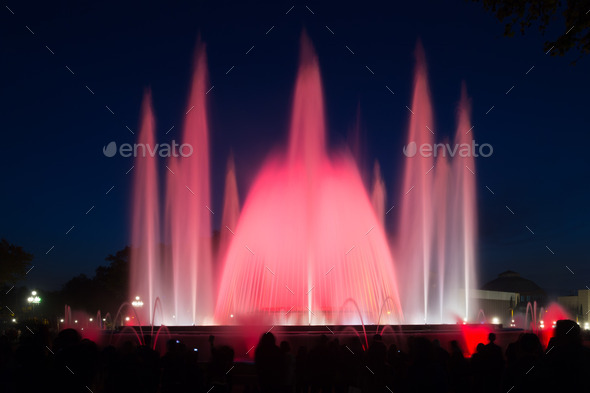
33, 300
137, 302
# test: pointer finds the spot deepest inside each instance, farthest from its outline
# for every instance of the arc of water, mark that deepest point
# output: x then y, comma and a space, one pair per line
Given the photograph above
483, 314
536, 320
108, 319
158, 335
396, 336
388, 298
156, 303
533, 317
127, 304
351, 300
126, 328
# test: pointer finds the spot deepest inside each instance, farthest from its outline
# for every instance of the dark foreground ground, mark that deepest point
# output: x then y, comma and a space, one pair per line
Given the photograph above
35, 361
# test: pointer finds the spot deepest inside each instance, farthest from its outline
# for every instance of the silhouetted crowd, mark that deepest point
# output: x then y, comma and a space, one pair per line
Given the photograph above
30, 363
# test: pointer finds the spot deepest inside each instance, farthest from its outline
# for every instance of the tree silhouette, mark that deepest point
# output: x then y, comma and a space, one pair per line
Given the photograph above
14, 262
105, 291
523, 14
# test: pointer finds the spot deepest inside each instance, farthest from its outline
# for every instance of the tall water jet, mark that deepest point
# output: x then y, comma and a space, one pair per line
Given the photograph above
299, 251
231, 214
356, 142
442, 186
378, 194
437, 227
144, 270
307, 139
189, 208
416, 219
464, 207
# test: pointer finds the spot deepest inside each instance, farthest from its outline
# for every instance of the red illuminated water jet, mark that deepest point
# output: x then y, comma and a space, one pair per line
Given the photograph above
188, 210
308, 238
231, 214
416, 222
145, 261
181, 274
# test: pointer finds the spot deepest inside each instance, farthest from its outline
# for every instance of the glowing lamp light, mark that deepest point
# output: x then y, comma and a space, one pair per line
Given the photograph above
14, 320
231, 315
34, 293
61, 320
127, 318
495, 320
75, 321
137, 302
34, 299
586, 325
104, 319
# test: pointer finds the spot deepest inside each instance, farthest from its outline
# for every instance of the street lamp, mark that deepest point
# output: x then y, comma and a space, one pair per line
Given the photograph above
33, 300
137, 302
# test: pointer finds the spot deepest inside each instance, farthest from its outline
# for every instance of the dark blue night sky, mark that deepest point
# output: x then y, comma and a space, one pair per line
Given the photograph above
54, 127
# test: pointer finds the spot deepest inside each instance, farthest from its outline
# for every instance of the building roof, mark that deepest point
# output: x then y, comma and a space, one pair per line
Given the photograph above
510, 281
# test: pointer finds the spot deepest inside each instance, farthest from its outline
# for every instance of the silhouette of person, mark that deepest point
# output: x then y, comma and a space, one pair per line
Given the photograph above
566, 362
269, 364
494, 360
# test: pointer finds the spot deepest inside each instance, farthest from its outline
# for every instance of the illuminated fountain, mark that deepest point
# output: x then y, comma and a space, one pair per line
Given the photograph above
146, 267
308, 238
309, 245
435, 244
188, 211
180, 275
